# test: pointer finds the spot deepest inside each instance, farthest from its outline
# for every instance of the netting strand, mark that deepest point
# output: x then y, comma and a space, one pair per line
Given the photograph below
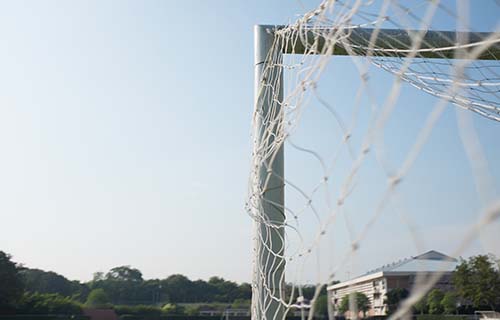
398, 46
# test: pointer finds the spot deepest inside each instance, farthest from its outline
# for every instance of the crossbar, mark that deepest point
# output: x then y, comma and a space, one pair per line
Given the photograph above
389, 42
268, 281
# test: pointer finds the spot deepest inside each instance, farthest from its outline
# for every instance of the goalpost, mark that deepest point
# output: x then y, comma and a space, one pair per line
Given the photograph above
320, 32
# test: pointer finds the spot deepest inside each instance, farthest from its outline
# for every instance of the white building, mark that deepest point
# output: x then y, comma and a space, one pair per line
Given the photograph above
402, 274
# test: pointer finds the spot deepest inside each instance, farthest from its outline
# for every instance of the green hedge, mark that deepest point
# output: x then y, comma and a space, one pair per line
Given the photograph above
137, 310
43, 317
441, 317
47, 304
181, 317
175, 317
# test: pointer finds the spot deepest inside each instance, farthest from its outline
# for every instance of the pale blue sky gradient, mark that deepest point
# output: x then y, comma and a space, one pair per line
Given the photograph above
125, 136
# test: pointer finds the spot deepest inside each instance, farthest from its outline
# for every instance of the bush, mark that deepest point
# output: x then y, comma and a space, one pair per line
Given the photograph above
97, 298
241, 304
449, 303
44, 317
48, 303
321, 306
191, 310
421, 307
141, 310
440, 317
434, 301
172, 309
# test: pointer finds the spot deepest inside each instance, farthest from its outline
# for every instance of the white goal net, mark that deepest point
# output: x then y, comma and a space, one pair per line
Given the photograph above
389, 112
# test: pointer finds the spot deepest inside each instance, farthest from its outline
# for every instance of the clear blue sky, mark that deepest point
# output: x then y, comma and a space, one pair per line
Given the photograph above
125, 137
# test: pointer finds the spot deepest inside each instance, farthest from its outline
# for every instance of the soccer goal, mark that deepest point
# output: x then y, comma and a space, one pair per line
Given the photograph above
355, 91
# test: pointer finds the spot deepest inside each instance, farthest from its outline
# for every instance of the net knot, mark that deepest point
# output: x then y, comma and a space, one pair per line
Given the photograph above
394, 180
355, 246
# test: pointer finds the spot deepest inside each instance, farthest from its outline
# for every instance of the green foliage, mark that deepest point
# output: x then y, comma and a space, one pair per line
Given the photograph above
241, 303
421, 307
122, 285
45, 317
143, 310
98, 298
40, 281
172, 309
11, 285
176, 288
191, 310
394, 297
362, 302
434, 301
449, 303
124, 273
224, 289
440, 317
478, 281
47, 303
321, 306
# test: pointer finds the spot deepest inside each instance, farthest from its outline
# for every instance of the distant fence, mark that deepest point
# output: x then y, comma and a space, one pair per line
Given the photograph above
181, 317
220, 317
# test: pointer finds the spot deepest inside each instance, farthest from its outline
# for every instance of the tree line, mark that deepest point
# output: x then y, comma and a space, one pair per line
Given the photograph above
123, 285
28, 289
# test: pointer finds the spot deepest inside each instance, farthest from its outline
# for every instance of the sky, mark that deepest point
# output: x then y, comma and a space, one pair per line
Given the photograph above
125, 135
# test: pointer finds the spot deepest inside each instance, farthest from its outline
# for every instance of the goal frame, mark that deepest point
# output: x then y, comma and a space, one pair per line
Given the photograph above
435, 44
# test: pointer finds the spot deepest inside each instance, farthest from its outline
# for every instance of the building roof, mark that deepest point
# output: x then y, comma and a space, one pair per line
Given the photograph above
431, 261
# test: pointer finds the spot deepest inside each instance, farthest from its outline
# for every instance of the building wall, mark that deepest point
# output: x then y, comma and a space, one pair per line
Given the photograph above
376, 288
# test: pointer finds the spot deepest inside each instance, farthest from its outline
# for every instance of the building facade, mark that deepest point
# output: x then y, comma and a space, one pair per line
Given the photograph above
402, 274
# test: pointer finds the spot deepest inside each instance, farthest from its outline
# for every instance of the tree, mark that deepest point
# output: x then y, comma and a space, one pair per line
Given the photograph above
394, 297
125, 285
225, 291
97, 299
36, 280
98, 276
321, 306
362, 303
124, 273
421, 306
178, 288
449, 303
47, 303
478, 281
11, 285
244, 291
434, 301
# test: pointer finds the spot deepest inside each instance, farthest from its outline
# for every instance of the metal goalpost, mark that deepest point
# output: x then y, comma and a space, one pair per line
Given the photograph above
270, 246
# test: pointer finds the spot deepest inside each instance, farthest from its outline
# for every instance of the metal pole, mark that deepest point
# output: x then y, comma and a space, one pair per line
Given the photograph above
269, 245
392, 42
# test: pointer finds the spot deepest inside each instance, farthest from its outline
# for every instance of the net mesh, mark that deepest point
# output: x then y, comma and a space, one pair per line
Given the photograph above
338, 90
